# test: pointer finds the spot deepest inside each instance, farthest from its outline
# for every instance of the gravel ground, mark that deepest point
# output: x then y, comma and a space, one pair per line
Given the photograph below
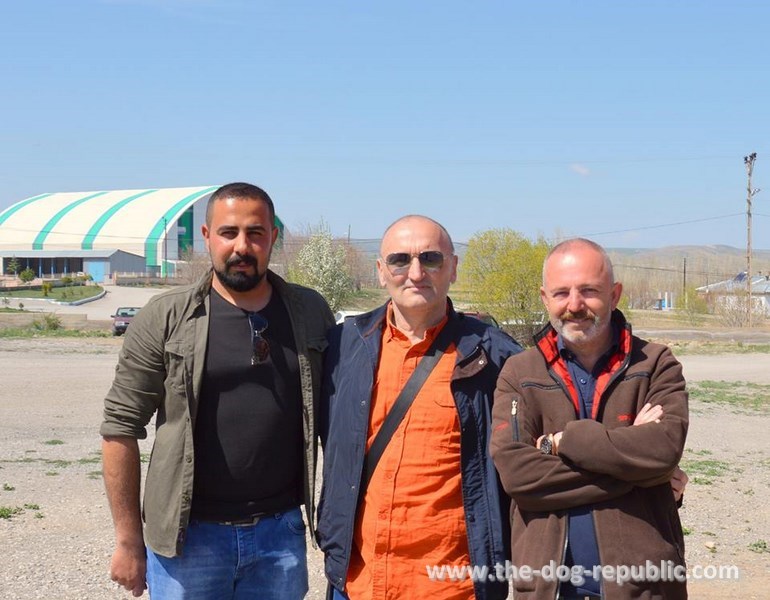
59, 544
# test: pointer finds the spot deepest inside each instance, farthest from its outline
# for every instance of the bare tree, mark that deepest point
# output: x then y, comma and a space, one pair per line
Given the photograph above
192, 265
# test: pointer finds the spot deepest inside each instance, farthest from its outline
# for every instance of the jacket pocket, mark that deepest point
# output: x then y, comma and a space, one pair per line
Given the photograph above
176, 367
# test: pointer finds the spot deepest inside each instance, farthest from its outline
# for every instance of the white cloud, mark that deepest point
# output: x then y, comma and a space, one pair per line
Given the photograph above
581, 170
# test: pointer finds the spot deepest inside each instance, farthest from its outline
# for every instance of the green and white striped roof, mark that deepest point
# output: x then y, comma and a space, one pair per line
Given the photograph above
132, 220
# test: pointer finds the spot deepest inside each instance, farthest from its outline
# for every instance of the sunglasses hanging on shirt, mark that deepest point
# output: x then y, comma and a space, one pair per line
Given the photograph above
260, 348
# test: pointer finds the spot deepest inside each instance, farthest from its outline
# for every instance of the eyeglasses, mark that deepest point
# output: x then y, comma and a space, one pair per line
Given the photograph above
399, 262
260, 348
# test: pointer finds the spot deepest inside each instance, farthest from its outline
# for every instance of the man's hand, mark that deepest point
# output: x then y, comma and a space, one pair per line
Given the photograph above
649, 414
679, 481
128, 568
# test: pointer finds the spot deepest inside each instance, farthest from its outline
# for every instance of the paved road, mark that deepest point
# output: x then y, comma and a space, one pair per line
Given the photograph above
103, 308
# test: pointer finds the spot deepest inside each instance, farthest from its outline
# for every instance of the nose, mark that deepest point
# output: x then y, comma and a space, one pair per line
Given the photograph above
416, 271
240, 244
575, 301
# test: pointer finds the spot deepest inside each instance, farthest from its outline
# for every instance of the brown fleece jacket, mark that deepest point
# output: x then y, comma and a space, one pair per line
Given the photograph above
622, 471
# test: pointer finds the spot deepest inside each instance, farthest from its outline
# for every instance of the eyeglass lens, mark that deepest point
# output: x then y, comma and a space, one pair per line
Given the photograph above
431, 260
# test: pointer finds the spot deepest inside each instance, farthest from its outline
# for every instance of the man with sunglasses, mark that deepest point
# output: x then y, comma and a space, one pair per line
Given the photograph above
230, 368
432, 499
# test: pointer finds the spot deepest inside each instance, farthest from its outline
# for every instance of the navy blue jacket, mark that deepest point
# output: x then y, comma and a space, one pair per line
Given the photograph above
349, 369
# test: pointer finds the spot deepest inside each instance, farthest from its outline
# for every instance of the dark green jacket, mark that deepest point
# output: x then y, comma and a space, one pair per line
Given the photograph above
160, 370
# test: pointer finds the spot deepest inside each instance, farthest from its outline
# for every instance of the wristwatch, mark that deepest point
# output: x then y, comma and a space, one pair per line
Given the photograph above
546, 445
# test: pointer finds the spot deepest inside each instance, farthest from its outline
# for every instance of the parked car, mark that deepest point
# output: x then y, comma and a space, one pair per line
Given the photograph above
122, 319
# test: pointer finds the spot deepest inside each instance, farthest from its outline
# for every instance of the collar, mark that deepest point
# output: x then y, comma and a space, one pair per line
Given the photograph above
391, 331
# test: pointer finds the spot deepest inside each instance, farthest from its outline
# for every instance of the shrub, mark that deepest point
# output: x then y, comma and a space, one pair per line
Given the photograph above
48, 322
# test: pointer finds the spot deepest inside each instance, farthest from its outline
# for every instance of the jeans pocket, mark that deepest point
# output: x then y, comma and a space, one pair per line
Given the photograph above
294, 521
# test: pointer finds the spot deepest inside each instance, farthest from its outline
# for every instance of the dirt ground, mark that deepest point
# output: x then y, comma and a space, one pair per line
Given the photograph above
59, 544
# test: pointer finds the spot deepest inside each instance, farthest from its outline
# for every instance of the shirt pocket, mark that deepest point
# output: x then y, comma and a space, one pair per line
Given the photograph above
176, 366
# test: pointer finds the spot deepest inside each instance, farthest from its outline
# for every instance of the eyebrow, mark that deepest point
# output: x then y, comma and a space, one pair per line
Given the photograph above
250, 228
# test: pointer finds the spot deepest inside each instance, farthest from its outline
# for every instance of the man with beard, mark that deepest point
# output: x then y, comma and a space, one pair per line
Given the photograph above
588, 429
230, 367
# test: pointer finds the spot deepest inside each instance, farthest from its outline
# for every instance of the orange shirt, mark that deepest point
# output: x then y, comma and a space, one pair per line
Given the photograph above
412, 513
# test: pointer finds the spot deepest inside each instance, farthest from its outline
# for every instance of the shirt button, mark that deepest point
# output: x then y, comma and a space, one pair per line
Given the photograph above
582, 380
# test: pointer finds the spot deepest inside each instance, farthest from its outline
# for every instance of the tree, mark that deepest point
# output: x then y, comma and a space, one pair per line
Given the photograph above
193, 265
13, 266
27, 275
691, 307
503, 273
322, 264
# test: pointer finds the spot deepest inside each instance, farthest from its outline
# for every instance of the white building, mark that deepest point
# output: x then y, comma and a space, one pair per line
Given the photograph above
103, 232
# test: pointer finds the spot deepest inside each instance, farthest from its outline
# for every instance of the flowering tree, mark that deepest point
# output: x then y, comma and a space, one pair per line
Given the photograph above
322, 264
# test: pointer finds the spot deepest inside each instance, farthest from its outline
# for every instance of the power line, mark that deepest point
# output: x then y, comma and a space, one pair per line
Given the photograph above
664, 225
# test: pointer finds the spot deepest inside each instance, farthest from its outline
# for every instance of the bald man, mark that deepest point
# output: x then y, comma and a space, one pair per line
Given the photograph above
405, 498
589, 426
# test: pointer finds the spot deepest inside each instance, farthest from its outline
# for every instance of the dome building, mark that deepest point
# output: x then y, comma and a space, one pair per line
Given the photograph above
104, 232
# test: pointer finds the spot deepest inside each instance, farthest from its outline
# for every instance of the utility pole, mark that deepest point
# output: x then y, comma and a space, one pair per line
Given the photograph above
750, 193
684, 283
165, 250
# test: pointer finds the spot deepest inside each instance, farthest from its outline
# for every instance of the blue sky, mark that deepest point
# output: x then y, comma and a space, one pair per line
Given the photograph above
624, 121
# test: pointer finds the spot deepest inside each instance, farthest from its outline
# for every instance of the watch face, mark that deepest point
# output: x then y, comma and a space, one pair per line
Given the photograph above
546, 446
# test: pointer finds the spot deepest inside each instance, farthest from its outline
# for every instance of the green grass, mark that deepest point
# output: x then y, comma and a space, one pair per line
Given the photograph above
66, 294
31, 332
7, 512
699, 452
95, 459
680, 348
53, 442
8, 487
759, 546
737, 394
703, 472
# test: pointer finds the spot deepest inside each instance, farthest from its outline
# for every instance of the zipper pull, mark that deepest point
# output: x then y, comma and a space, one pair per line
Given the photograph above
515, 419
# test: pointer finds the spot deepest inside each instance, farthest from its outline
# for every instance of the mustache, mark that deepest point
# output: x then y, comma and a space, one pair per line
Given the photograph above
241, 261
577, 316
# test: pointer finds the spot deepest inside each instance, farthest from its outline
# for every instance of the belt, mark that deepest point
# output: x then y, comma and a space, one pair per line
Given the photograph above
246, 521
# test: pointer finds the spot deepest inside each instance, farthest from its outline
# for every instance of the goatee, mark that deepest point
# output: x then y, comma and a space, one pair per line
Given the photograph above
239, 281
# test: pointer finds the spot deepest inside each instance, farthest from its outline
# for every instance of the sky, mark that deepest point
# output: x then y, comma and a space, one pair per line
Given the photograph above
627, 122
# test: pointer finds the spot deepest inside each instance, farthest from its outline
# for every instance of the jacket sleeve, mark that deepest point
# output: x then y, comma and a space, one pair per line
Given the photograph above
331, 360
535, 481
644, 454
138, 387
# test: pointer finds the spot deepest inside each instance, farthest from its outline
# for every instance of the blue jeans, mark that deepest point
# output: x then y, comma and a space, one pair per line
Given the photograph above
267, 560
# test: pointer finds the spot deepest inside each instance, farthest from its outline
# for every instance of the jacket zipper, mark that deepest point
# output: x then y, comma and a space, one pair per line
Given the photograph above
515, 419
563, 558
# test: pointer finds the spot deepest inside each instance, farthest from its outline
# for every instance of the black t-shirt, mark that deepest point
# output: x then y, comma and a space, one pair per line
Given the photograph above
248, 436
